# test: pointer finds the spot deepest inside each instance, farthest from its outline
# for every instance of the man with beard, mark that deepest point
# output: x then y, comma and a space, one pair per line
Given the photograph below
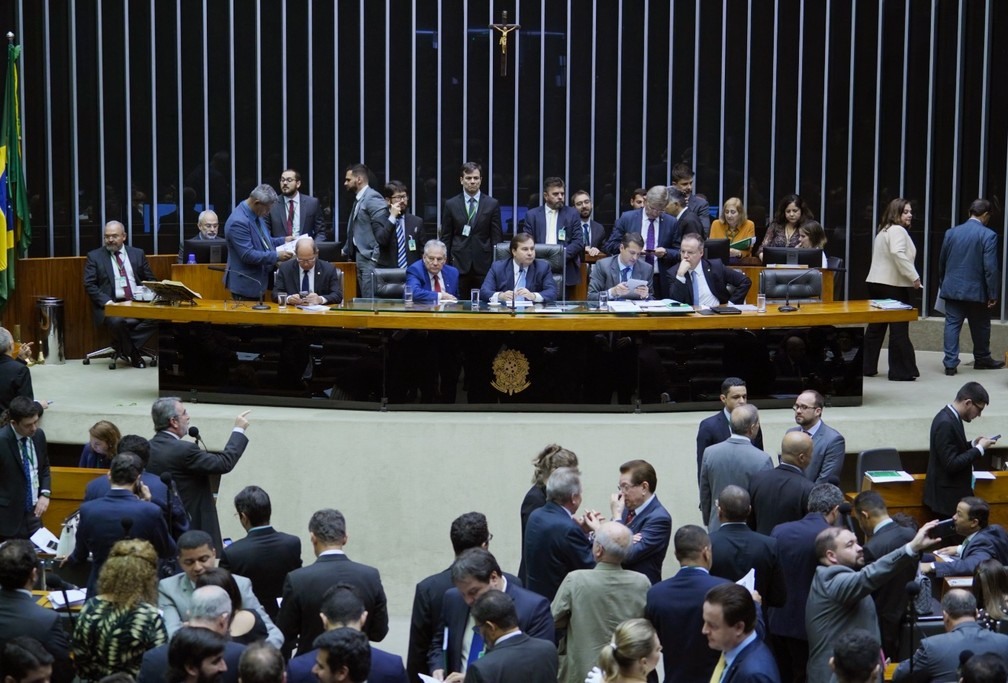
592, 232
295, 214
828, 445
369, 232
556, 223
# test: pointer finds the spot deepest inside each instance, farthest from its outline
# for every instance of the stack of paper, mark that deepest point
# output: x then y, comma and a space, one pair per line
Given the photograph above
886, 476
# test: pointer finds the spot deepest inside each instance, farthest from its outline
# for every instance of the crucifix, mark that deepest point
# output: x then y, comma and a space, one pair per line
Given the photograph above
504, 28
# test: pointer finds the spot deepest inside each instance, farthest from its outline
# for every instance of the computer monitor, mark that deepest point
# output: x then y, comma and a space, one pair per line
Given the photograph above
718, 248
793, 256
206, 251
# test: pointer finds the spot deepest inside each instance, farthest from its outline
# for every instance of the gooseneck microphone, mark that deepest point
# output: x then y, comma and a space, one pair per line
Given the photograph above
262, 290
787, 307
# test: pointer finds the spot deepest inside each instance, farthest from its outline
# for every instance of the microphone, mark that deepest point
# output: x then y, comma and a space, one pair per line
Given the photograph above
913, 589
787, 307
262, 290
845, 510
194, 433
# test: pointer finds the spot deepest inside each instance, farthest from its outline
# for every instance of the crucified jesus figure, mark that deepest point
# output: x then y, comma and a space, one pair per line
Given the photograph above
504, 28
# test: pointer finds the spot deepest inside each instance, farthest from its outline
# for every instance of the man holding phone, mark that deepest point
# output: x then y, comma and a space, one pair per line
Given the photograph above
983, 541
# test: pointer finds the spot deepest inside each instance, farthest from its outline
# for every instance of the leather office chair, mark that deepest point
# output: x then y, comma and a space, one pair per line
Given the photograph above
389, 283
798, 285
552, 253
877, 459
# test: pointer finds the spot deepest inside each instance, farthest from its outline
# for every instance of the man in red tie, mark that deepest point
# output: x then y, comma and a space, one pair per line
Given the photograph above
295, 214
112, 273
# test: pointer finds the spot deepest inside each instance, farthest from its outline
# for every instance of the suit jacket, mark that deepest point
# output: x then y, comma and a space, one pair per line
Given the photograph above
700, 207
191, 468
534, 620
590, 604
155, 663
675, 608
891, 597
754, 664
174, 513
968, 263
101, 527
950, 464
21, 616
733, 461
265, 556
778, 496
12, 478
327, 280
302, 599
175, 597
937, 658
689, 221
538, 280
385, 668
606, 274
554, 546
251, 252
519, 659
427, 600
15, 380
990, 542
471, 254
718, 278
534, 499
654, 524
369, 231
568, 220
99, 277
309, 218
840, 600
413, 228
796, 549
596, 236
828, 450
737, 549
419, 279
715, 429
668, 237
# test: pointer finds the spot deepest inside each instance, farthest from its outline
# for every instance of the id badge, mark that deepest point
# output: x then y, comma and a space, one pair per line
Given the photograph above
121, 282
412, 244
561, 235
466, 229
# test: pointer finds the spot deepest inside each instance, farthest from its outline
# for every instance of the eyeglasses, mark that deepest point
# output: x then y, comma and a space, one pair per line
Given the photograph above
399, 197
799, 407
626, 486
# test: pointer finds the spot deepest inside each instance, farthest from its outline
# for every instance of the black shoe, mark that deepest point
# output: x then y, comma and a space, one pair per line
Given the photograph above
902, 379
136, 360
990, 364
869, 374
950, 371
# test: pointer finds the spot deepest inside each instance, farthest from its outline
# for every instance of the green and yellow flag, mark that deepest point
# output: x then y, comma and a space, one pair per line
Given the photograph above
15, 224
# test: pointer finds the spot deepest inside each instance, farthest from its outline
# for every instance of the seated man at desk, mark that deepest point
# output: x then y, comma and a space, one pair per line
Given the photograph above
521, 277
113, 273
612, 273
983, 541
431, 279
307, 274
699, 282
208, 225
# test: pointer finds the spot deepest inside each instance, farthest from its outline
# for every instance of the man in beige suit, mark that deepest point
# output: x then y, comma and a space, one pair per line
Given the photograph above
591, 603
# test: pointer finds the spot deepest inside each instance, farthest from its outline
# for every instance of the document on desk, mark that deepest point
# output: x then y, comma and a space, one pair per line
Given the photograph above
886, 476
76, 596
624, 307
45, 540
313, 307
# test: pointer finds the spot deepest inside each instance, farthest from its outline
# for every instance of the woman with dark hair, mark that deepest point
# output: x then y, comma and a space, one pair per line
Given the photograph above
990, 587
246, 625
550, 458
102, 446
892, 276
792, 212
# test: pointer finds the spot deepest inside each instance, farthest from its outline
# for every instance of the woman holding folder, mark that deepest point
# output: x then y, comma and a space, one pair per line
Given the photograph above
735, 227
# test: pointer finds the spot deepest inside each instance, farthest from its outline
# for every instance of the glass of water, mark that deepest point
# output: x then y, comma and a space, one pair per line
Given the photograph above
603, 300
281, 298
474, 299
407, 294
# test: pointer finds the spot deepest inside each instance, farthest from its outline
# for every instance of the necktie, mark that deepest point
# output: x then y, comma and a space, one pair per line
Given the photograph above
630, 516
472, 209
696, 288
127, 290
649, 243
718, 670
290, 216
437, 283
587, 234
400, 232
551, 226
475, 648
26, 466
520, 283
625, 274
305, 287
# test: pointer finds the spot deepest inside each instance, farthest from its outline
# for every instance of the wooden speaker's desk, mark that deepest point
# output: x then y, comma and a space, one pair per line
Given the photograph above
908, 496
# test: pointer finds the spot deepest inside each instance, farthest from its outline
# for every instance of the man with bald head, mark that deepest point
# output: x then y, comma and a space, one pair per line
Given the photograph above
115, 272
781, 494
590, 603
209, 227
733, 461
306, 274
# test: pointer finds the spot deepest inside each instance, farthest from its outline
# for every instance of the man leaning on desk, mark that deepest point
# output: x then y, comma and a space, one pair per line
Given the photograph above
305, 274
522, 277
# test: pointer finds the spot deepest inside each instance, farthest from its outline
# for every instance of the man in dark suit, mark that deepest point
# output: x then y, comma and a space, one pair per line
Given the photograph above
983, 541
252, 252
470, 228
265, 556
108, 278
342, 608
19, 613
950, 463
303, 588
511, 655
729, 613
637, 506
343, 656
556, 542
189, 465
717, 427
883, 535
856, 657
658, 230
675, 608
592, 232
699, 282
738, 549
15, 378
612, 273
454, 645
25, 483
556, 223
969, 280
369, 232
522, 276
687, 220
407, 237
828, 445
103, 522
781, 494
307, 274
207, 225
937, 658
682, 180
296, 214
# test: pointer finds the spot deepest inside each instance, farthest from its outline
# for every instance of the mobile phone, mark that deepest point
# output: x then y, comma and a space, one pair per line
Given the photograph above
942, 529
994, 438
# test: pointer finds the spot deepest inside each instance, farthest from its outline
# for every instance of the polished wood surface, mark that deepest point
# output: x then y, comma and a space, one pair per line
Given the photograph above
199, 277
908, 496
68, 484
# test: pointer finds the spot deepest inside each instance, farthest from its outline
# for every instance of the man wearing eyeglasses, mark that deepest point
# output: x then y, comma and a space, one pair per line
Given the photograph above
295, 214
306, 279
828, 445
407, 244
636, 506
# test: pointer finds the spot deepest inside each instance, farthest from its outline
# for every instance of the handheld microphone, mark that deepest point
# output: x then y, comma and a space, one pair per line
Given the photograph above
262, 290
787, 307
913, 589
194, 433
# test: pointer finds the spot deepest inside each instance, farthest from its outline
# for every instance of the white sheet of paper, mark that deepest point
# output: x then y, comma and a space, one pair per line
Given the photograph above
45, 540
748, 581
623, 307
634, 284
76, 597
427, 679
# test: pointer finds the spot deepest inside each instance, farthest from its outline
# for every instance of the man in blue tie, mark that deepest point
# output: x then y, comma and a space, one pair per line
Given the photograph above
702, 283
406, 246
592, 232
318, 279
252, 252
612, 273
25, 482
522, 277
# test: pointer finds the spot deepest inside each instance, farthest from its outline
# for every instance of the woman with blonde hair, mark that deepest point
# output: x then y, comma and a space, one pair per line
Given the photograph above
632, 654
550, 458
102, 446
122, 622
734, 226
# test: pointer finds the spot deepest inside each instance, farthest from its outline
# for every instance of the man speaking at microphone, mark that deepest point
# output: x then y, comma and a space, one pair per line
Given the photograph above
190, 465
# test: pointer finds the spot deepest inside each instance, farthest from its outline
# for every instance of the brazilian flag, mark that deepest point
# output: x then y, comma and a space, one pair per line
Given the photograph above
15, 224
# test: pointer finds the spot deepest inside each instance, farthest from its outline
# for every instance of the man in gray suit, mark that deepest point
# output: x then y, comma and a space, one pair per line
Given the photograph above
840, 597
369, 232
612, 273
828, 445
733, 461
969, 280
295, 214
937, 658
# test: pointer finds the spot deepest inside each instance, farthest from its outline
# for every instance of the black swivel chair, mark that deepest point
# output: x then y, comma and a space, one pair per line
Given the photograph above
389, 283
801, 286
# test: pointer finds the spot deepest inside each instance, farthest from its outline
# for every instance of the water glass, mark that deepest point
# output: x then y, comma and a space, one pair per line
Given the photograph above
603, 300
407, 293
474, 299
761, 303
281, 298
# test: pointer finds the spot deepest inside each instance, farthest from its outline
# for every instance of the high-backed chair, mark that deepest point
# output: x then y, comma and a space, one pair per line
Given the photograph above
553, 253
877, 459
389, 283
798, 285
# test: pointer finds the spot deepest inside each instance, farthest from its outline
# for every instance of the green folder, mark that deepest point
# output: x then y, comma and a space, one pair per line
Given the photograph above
742, 244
